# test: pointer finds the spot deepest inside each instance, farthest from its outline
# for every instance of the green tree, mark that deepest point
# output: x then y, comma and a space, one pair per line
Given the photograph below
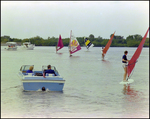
138, 37
91, 36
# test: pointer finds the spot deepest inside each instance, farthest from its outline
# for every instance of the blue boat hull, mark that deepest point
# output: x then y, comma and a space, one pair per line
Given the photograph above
35, 86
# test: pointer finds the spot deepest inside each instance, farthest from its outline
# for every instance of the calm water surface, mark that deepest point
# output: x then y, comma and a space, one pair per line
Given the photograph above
91, 89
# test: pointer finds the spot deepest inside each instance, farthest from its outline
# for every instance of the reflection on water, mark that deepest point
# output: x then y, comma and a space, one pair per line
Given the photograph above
133, 102
133, 95
59, 53
74, 56
106, 61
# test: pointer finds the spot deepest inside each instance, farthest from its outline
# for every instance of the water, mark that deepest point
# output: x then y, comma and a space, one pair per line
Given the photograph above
91, 89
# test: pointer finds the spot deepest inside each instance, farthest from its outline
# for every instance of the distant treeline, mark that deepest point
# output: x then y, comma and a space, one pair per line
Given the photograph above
118, 41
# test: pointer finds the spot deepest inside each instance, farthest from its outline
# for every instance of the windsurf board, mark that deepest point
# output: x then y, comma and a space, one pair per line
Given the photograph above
129, 81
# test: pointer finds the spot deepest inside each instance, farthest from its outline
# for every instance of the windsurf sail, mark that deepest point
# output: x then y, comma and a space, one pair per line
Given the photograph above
88, 43
133, 60
59, 44
108, 44
74, 45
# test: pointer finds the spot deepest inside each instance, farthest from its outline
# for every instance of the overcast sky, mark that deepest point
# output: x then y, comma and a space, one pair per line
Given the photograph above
26, 19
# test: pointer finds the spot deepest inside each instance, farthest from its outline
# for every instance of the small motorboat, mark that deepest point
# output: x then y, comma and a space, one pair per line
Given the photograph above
11, 46
27, 46
36, 82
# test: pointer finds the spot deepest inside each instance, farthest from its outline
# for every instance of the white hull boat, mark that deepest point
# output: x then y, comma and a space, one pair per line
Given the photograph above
11, 46
27, 46
35, 81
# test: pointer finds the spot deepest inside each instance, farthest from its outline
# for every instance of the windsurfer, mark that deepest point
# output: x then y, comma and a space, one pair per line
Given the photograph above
70, 53
103, 53
124, 64
56, 48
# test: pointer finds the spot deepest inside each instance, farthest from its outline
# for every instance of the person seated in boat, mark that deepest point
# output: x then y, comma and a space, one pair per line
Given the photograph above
26, 45
49, 71
124, 64
30, 70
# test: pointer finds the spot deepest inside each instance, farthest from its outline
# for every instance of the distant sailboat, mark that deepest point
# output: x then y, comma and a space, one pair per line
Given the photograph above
107, 45
88, 43
133, 60
59, 44
74, 45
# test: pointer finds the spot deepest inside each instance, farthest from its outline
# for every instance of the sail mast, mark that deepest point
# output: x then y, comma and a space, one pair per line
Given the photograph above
57, 45
70, 43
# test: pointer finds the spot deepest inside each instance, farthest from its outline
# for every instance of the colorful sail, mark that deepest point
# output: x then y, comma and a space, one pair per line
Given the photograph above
88, 43
59, 44
136, 55
74, 45
108, 44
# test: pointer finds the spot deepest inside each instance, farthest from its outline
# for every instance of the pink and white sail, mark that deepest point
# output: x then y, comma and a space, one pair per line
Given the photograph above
74, 45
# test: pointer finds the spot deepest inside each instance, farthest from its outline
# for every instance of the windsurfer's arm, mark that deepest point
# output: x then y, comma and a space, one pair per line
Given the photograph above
125, 60
44, 74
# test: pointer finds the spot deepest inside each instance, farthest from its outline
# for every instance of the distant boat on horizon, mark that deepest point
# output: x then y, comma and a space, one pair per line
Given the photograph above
11, 46
27, 46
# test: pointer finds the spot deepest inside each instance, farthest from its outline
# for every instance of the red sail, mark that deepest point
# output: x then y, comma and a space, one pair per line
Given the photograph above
136, 55
108, 44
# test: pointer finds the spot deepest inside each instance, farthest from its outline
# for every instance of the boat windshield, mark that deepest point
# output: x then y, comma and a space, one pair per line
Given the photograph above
25, 67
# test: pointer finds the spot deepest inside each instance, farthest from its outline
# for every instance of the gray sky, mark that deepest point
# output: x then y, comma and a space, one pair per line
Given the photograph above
26, 19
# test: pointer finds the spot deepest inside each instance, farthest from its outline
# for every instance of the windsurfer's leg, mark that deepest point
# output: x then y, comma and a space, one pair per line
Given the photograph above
102, 56
125, 73
70, 53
